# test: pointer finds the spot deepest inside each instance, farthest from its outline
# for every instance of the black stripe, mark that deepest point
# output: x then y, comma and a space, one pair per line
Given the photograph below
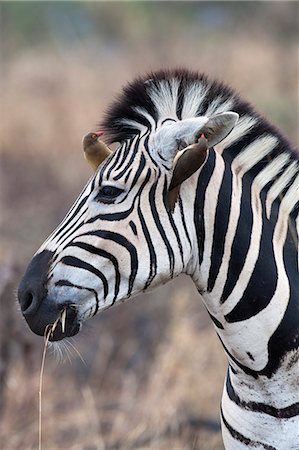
171, 220
69, 284
220, 226
213, 91
262, 283
133, 227
133, 150
127, 149
166, 167
76, 226
112, 216
115, 160
202, 183
79, 264
127, 166
127, 176
184, 221
241, 438
110, 159
152, 253
281, 413
145, 181
91, 185
149, 152
241, 241
163, 159
180, 98
216, 321
71, 217
168, 118
109, 166
104, 254
122, 241
73, 212
155, 214
139, 170
295, 208
245, 369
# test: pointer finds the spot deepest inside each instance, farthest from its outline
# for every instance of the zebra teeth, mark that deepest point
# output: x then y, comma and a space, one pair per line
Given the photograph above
62, 320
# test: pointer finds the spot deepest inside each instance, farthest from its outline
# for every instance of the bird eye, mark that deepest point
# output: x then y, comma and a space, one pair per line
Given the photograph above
94, 136
107, 194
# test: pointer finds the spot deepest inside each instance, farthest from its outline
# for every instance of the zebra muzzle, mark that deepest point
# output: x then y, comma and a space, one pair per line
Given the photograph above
39, 309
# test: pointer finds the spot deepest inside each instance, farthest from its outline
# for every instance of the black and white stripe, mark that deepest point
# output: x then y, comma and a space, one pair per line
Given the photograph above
234, 230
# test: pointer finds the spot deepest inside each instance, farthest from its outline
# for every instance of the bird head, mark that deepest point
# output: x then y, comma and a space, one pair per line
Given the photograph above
91, 139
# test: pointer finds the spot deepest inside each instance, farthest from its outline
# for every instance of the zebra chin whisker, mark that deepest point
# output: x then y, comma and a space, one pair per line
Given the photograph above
75, 350
65, 349
58, 350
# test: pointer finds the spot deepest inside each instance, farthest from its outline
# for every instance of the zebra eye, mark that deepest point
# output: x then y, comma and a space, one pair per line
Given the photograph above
107, 194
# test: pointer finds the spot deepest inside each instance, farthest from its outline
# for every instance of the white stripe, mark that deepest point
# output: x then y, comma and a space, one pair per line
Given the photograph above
193, 97
279, 185
291, 197
243, 126
218, 106
145, 114
271, 171
133, 124
254, 153
164, 98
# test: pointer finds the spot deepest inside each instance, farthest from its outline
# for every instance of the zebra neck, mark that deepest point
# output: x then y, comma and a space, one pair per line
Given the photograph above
247, 264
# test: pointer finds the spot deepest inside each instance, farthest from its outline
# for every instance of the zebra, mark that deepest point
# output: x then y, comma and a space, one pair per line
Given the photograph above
151, 212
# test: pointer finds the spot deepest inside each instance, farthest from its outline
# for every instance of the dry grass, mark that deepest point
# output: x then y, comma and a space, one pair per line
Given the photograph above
49, 330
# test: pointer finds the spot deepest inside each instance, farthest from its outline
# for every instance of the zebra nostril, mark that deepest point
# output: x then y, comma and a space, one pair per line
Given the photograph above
29, 302
32, 288
26, 301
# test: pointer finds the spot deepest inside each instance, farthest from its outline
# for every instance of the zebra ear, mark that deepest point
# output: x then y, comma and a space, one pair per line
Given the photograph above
192, 158
167, 140
219, 126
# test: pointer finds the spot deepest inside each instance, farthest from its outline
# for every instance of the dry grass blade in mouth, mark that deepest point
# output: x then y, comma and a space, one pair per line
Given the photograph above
49, 330
62, 320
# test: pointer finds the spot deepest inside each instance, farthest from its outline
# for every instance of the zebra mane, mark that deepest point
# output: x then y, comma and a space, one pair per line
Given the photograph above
180, 94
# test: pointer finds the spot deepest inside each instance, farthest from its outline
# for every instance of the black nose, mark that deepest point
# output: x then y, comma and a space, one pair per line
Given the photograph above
33, 286
38, 308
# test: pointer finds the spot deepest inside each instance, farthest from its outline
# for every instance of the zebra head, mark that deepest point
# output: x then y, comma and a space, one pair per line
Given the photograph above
132, 227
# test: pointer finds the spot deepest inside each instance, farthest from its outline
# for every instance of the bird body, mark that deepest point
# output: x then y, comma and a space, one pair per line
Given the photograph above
95, 150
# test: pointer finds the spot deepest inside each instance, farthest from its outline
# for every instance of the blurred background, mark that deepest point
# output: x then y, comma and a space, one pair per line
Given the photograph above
151, 371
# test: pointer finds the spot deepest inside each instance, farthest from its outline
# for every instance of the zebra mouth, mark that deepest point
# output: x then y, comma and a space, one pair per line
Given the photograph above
49, 318
67, 328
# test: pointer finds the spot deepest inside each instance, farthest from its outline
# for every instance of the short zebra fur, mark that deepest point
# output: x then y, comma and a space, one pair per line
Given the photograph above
234, 230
